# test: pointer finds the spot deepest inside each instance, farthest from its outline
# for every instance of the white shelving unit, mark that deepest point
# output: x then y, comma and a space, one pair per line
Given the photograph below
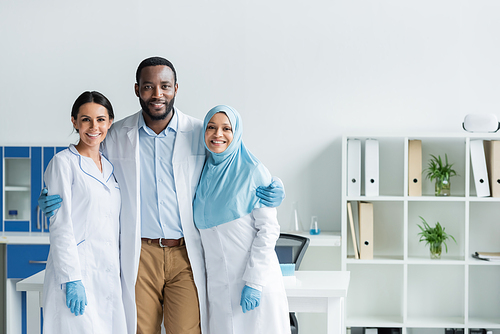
402, 287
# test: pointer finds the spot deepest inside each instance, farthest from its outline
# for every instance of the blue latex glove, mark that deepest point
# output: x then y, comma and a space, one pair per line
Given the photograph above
49, 204
76, 299
272, 195
250, 298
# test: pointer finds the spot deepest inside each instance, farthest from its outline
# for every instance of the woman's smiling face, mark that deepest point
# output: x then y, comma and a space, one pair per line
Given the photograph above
92, 123
219, 133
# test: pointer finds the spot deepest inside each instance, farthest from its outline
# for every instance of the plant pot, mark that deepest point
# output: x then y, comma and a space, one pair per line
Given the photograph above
436, 249
442, 187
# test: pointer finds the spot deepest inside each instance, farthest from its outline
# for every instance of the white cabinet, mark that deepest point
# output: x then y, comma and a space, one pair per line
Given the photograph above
21, 180
17, 189
402, 287
21, 223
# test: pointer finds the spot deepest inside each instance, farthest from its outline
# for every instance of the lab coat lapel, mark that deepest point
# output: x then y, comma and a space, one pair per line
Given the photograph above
131, 126
181, 167
89, 167
183, 140
132, 135
107, 169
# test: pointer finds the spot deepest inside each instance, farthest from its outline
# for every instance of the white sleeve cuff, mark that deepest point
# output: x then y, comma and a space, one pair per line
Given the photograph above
255, 286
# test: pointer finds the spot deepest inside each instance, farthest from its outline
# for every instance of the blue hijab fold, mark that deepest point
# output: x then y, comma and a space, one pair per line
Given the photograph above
227, 188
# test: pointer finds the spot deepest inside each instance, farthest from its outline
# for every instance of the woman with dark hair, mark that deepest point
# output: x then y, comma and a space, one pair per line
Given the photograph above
82, 289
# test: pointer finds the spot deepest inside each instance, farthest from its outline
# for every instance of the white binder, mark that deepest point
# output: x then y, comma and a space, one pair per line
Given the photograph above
480, 173
371, 168
353, 167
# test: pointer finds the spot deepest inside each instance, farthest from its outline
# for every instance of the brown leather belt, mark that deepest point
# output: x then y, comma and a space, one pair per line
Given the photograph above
164, 242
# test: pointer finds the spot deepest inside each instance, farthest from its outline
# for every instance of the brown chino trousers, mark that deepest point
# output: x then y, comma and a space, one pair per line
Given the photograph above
165, 290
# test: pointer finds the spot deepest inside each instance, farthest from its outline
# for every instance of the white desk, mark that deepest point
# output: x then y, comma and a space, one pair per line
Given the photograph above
33, 286
312, 291
24, 238
13, 299
320, 292
328, 239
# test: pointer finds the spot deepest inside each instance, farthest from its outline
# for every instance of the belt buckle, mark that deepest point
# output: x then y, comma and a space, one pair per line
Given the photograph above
160, 243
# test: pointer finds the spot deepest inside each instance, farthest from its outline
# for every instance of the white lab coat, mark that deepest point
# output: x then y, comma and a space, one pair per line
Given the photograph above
84, 245
121, 147
241, 252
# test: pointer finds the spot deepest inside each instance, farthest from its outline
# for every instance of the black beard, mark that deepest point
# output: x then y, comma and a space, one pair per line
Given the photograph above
168, 109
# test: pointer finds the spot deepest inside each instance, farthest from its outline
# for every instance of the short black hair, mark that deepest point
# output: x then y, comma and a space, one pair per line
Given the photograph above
95, 97
154, 61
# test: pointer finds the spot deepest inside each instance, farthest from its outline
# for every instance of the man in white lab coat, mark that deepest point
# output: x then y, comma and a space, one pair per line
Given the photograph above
158, 154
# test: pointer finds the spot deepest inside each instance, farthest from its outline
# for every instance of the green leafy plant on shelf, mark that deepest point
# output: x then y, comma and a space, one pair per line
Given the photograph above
441, 173
435, 237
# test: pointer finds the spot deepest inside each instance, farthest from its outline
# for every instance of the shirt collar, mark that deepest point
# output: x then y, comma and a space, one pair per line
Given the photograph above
172, 125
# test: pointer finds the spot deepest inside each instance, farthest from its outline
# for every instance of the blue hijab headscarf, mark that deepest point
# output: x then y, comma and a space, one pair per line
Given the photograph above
229, 180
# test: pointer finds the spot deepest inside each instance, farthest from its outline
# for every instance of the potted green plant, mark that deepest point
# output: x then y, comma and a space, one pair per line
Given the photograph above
435, 237
441, 173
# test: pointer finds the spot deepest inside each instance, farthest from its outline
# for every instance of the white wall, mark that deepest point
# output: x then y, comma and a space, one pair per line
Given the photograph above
300, 72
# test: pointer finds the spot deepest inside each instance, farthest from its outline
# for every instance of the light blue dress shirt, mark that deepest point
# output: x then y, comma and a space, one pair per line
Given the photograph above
159, 208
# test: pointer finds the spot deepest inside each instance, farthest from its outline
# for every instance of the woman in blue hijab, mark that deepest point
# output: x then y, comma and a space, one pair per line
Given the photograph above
244, 283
